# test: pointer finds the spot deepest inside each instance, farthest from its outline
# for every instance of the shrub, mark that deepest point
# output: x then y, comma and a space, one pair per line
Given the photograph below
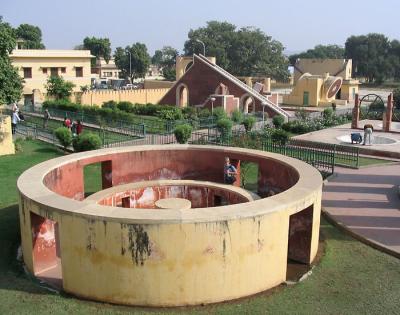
219, 113
224, 126
110, 104
170, 113
182, 133
189, 112
126, 107
396, 98
279, 136
204, 113
278, 121
237, 116
249, 123
86, 141
302, 114
327, 114
64, 136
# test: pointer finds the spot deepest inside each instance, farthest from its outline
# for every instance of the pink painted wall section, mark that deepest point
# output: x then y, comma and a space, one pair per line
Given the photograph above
44, 245
130, 167
145, 198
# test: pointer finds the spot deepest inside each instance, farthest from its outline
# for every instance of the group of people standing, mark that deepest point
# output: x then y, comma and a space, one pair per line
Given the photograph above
76, 127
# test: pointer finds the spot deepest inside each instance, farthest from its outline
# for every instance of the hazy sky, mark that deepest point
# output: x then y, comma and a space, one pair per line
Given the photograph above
299, 25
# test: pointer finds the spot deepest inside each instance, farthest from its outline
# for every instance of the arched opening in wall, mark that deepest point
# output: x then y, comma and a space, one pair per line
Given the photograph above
249, 175
46, 251
182, 95
222, 89
97, 176
299, 244
247, 104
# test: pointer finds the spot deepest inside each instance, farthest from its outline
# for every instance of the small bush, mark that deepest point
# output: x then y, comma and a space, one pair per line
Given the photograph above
189, 112
110, 104
86, 141
396, 98
204, 113
302, 114
279, 136
249, 123
182, 133
224, 126
170, 113
237, 116
64, 136
278, 121
219, 113
327, 114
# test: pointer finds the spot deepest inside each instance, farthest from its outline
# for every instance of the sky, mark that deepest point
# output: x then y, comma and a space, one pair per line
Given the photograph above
298, 25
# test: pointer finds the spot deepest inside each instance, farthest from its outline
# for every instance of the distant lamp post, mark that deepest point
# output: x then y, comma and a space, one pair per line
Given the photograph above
204, 46
212, 104
130, 66
263, 107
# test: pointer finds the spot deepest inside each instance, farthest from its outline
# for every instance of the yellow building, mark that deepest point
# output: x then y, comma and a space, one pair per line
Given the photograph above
315, 90
35, 66
107, 70
336, 67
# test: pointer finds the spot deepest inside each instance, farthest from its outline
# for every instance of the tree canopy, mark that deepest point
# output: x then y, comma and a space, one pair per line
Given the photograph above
320, 52
138, 57
371, 56
246, 51
32, 36
166, 59
10, 81
59, 88
99, 47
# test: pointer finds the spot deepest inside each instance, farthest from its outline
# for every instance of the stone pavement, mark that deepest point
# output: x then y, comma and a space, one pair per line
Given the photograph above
367, 203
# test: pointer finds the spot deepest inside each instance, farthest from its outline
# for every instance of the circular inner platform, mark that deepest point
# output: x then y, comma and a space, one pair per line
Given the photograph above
173, 203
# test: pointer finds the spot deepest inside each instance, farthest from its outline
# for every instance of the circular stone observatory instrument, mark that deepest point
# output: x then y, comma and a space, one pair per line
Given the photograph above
165, 230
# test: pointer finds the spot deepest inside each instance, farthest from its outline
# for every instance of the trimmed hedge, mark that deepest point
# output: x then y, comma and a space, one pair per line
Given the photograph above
86, 141
64, 136
182, 133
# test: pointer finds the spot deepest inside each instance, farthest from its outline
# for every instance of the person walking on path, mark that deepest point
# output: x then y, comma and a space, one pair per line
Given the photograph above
368, 128
46, 118
230, 172
67, 122
14, 121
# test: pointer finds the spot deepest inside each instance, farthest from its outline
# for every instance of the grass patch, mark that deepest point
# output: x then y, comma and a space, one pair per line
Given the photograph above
352, 278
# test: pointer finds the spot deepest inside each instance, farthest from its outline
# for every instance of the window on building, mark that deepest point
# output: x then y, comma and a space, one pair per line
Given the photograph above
63, 70
54, 72
44, 70
79, 71
27, 73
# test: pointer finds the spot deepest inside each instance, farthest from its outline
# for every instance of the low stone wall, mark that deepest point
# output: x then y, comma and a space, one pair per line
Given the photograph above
142, 96
167, 257
6, 143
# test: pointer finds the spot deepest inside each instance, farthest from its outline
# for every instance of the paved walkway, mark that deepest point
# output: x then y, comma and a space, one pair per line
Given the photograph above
366, 201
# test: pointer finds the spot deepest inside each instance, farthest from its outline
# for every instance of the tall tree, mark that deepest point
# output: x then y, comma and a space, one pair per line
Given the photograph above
99, 47
166, 59
32, 36
320, 52
370, 56
245, 51
10, 81
133, 61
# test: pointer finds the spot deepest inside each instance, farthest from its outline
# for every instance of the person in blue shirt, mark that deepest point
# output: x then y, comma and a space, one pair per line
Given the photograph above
230, 172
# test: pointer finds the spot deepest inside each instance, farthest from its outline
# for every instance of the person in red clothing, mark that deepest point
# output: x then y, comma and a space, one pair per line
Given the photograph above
79, 127
67, 122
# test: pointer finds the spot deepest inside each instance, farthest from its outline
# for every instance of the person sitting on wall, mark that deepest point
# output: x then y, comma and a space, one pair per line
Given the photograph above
230, 172
356, 137
368, 128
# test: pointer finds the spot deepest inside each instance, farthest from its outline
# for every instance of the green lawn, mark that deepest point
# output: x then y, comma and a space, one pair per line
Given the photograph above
351, 278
